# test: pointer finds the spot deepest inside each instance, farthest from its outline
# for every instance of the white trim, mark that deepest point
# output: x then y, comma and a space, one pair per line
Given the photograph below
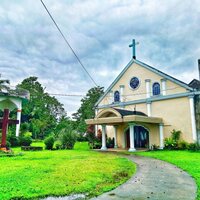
163, 86
103, 138
132, 140
115, 136
148, 88
161, 134
149, 109
121, 88
193, 122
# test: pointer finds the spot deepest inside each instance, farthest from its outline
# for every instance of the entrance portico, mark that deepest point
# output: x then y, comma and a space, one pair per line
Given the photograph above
117, 120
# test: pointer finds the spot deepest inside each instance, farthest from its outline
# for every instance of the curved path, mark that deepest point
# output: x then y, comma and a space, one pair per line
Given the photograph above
154, 180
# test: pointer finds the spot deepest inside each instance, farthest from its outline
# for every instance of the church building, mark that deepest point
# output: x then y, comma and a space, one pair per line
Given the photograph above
143, 105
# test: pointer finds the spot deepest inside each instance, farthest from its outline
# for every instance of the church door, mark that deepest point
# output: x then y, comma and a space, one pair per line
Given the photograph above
141, 137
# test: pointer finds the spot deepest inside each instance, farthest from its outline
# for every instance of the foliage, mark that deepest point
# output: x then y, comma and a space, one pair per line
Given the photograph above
110, 142
49, 142
188, 161
37, 175
26, 139
42, 112
93, 141
194, 147
172, 142
86, 110
12, 139
58, 145
183, 145
67, 138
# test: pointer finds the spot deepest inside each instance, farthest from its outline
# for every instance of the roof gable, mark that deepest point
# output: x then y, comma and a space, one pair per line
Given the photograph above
164, 75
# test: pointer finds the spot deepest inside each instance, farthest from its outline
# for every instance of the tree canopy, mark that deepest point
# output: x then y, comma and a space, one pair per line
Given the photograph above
87, 110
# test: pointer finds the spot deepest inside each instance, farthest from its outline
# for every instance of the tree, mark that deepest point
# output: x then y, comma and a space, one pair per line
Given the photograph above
42, 112
86, 110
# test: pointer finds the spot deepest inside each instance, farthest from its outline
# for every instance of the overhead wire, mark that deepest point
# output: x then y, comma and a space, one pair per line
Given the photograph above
78, 59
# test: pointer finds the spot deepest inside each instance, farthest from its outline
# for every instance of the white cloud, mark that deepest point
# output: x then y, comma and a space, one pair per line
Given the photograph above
100, 32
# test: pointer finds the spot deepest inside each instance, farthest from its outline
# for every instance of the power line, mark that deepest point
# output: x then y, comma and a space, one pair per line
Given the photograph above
68, 43
68, 95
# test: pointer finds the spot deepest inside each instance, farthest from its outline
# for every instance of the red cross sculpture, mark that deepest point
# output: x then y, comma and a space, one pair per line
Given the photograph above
5, 122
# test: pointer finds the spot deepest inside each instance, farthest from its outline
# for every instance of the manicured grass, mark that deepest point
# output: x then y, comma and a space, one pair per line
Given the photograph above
61, 172
186, 160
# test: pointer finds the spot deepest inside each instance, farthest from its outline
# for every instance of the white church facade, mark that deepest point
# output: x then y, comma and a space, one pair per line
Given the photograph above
143, 105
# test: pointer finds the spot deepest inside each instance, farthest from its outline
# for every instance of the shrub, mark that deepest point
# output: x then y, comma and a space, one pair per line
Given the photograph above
194, 147
49, 142
110, 142
58, 145
173, 141
170, 143
67, 138
183, 145
13, 140
175, 135
25, 140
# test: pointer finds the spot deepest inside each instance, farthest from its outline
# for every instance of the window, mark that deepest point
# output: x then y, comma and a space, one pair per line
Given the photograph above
134, 83
156, 89
116, 96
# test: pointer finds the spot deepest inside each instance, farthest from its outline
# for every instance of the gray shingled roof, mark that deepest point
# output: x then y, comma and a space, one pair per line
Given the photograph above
129, 112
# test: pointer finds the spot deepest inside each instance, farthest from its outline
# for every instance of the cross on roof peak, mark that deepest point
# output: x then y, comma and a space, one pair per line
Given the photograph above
133, 44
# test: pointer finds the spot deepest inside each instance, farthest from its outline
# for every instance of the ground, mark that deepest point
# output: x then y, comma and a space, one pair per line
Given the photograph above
61, 172
186, 160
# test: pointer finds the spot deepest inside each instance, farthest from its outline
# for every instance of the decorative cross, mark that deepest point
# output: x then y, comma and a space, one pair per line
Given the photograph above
133, 47
4, 122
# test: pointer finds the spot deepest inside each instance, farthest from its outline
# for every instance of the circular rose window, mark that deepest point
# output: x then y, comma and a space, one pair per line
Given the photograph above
134, 83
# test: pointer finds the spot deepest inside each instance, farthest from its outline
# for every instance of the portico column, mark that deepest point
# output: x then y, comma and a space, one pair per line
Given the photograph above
132, 145
115, 136
19, 111
104, 137
96, 126
192, 113
161, 135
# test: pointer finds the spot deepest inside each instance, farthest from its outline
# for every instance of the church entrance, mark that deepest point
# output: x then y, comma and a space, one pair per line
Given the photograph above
141, 137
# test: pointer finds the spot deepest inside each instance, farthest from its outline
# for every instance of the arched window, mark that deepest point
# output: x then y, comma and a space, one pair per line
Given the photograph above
156, 89
116, 96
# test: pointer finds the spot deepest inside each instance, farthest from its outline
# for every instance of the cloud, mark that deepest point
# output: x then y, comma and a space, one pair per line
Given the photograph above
99, 32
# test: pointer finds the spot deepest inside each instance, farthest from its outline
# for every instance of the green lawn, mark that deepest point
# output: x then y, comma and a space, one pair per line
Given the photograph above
61, 172
188, 161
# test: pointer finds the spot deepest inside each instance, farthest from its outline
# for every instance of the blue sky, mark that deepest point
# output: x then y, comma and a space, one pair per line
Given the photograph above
99, 31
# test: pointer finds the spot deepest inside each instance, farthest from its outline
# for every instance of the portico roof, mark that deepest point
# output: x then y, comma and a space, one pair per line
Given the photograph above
117, 116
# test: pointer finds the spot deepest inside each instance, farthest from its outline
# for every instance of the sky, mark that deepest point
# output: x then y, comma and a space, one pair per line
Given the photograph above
100, 32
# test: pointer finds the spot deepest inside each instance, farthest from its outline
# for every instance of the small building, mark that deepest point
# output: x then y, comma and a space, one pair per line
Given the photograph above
143, 105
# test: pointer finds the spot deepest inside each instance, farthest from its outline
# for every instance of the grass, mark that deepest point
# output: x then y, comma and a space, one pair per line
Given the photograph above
186, 160
61, 172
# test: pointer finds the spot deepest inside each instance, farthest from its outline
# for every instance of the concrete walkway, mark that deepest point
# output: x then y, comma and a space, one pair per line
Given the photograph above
155, 180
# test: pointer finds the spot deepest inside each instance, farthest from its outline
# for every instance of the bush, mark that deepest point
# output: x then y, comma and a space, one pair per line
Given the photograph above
67, 138
25, 140
110, 142
58, 145
194, 147
170, 143
173, 141
49, 142
183, 145
13, 140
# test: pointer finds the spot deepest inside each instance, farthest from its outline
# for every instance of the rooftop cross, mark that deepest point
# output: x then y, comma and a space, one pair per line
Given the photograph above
133, 47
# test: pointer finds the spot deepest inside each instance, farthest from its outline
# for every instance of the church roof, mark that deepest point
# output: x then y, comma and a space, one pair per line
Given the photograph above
164, 75
129, 112
195, 84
